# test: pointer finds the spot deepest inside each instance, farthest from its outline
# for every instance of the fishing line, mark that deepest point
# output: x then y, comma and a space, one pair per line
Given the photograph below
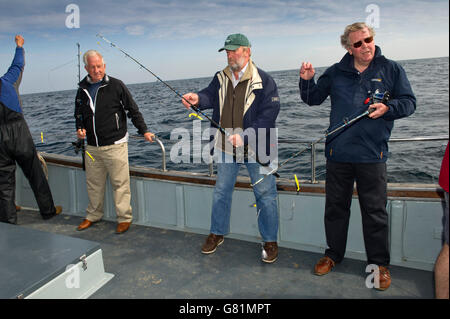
56, 68
62, 65
247, 151
162, 81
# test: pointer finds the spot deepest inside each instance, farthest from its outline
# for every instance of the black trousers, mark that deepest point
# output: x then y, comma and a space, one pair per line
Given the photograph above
371, 186
16, 145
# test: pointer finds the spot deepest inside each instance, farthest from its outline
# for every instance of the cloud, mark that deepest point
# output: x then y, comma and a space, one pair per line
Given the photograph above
185, 19
135, 29
183, 36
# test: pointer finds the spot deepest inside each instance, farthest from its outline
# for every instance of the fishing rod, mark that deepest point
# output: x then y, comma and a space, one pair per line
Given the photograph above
195, 108
80, 143
376, 97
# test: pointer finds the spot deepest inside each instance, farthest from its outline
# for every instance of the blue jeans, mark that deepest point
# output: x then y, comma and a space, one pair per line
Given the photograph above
265, 194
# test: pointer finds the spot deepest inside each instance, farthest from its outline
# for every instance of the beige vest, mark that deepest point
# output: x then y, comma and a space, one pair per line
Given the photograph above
234, 102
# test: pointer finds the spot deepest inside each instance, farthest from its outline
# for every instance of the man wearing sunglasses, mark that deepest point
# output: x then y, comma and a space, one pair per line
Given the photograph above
359, 152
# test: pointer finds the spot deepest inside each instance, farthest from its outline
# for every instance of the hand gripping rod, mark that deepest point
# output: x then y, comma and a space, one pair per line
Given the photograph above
346, 123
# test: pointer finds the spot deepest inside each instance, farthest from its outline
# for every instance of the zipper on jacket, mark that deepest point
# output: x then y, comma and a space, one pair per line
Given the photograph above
93, 116
93, 113
95, 107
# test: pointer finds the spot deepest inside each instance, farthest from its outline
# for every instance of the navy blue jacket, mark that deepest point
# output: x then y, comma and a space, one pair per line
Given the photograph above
263, 106
365, 141
10, 82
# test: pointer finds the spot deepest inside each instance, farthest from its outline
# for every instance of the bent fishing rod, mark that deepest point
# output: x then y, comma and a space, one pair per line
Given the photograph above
376, 98
195, 108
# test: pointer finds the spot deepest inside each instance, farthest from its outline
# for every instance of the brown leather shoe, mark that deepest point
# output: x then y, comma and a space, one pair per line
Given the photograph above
211, 243
85, 224
270, 252
122, 227
323, 266
58, 210
385, 278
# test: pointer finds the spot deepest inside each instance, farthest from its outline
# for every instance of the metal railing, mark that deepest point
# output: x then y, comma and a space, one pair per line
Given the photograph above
161, 145
163, 150
312, 146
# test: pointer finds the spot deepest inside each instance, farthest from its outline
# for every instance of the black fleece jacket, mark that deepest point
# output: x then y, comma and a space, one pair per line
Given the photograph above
105, 118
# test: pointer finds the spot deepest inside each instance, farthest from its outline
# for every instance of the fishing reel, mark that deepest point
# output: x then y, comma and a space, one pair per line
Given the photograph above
78, 145
379, 97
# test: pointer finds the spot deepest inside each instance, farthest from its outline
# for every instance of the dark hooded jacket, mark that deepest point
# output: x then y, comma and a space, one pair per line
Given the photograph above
365, 141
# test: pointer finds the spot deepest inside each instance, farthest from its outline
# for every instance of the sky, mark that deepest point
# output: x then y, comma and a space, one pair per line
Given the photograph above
179, 39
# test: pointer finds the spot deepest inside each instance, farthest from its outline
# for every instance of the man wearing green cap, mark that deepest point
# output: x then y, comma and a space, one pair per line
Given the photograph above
245, 102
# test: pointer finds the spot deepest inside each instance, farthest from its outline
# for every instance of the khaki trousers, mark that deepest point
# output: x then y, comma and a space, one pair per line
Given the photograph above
112, 160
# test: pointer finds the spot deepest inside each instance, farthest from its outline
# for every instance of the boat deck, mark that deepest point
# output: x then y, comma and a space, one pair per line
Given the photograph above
156, 263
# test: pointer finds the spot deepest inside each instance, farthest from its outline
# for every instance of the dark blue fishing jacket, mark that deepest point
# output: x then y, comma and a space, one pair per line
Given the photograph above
11, 80
364, 141
261, 108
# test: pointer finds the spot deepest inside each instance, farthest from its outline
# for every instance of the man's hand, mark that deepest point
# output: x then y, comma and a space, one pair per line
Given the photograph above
380, 110
307, 71
149, 137
81, 134
191, 97
19, 41
236, 140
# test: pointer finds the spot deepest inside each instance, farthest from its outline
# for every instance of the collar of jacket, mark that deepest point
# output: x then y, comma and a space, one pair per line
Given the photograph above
87, 81
247, 74
250, 74
347, 62
254, 83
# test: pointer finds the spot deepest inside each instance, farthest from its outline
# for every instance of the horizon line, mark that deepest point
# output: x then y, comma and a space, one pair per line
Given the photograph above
202, 77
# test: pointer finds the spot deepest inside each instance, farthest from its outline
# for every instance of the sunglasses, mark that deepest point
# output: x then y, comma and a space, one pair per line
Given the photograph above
359, 43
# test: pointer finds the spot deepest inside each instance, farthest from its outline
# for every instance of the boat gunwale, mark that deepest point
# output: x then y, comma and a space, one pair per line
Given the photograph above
395, 190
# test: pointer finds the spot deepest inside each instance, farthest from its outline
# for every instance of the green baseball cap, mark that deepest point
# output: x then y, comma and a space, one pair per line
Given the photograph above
234, 41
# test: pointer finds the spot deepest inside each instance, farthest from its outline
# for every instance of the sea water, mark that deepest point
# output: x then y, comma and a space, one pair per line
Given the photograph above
415, 162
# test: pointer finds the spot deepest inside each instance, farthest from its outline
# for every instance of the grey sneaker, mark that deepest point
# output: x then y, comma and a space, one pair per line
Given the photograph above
270, 252
211, 243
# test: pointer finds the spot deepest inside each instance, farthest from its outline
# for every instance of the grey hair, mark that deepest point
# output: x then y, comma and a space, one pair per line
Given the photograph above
352, 28
249, 50
92, 53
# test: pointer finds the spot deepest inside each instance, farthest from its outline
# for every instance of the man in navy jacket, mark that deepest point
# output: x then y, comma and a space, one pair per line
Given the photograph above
16, 144
245, 102
359, 152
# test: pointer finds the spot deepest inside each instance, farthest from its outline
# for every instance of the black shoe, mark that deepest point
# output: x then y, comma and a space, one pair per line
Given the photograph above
58, 210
